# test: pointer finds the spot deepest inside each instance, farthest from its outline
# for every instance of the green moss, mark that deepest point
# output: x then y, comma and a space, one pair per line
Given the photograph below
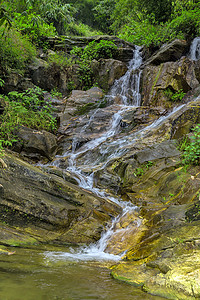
156, 79
89, 106
127, 280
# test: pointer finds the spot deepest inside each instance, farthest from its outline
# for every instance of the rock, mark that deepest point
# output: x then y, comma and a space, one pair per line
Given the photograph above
123, 53
106, 71
49, 77
40, 207
164, 258
186, 120
169, 76
79, 103
169, 52
36, 144
82, 128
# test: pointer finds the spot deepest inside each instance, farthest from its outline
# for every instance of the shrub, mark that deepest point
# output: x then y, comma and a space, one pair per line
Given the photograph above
142, 33
60, 59
81, 29
34, 26
15, 50
97, 50
27, 109
94, 50
186, 25
174, 96
191, 149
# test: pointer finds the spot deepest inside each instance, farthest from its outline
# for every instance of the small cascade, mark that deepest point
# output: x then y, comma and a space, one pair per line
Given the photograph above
128, 86
195, 49
109, 142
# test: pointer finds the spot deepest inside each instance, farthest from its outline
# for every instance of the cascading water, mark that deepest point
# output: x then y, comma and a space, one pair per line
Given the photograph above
195, 49
129, 82
127, 88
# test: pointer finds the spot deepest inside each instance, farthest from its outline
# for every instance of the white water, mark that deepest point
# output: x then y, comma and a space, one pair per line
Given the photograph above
195, 49
127, 88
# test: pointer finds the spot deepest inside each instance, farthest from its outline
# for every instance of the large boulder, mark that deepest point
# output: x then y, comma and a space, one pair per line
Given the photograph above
51, 76
36, 144
106, 71
42, 207
158, 81
169, 52
81, 102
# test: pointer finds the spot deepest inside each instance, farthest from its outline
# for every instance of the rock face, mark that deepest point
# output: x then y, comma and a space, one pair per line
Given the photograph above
40, 207
106, 71
36, 144
163, 254
49, 77
168, 72
79, 103
170, 76
124, 52
169, 52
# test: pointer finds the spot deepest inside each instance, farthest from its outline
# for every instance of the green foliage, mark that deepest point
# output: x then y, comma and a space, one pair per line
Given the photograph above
103, 14
97, 50
56, 93
142, 33
94, 50
34, 26
57, 12
174, 96
84, 11
191, 154
187, 24
2, 82
15, 50
25, 109
142, 169
60, 59
80, 29
5, 18
159, 11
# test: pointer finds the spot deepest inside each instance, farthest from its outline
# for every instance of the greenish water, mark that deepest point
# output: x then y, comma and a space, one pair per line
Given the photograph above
30, 274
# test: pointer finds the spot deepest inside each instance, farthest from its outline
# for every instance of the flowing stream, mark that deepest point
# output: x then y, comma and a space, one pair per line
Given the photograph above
195, 49
60, 273
109, 146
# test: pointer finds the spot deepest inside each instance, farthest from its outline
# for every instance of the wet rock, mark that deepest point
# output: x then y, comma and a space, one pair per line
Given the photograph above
86, 127
183, 124
41, 207
106, 71
80, 102
170, 76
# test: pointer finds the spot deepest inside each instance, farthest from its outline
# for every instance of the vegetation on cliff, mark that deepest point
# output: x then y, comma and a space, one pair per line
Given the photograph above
25, 27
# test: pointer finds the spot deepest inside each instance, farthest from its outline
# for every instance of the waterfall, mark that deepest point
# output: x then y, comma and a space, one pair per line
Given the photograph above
195, 49
127, 87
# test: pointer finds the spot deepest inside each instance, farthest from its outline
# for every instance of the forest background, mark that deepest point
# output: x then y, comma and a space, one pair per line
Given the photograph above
26, 25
